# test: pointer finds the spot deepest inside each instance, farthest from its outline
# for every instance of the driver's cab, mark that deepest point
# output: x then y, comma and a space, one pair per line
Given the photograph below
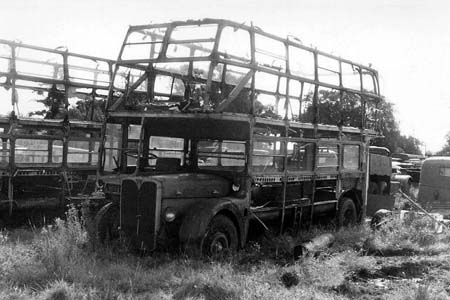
168, 151
155, 153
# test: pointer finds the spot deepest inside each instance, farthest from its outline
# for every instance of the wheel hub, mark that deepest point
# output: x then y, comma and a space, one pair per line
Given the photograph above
219, 243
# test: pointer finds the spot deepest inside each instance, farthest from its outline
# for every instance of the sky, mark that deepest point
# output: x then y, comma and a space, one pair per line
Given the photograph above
407, 41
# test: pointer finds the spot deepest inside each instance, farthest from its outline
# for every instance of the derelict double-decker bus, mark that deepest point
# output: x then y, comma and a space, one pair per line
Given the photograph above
47, 159
214, 127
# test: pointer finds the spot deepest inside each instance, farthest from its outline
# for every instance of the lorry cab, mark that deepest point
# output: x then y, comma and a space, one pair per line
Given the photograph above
380, 185
434, 187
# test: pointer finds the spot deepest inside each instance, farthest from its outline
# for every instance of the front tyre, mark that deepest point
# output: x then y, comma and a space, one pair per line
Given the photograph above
221, 237
107, 223
346, 213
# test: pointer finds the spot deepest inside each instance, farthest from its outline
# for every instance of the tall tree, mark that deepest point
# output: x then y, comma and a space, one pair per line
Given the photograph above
392, 137
54, 105
336, 109
84, 109
445, 151
348, 112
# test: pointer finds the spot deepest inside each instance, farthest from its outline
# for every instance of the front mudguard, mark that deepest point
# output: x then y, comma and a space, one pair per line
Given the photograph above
196, 221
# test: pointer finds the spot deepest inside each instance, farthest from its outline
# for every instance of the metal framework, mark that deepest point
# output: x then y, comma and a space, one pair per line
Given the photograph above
42, 161
218, 66
27, 67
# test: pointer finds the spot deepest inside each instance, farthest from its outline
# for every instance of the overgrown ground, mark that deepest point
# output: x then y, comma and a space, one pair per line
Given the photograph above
402, 260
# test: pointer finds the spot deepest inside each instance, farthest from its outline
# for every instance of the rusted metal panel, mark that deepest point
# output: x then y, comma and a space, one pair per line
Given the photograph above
140, 207
206, 185
148, 213
380, 165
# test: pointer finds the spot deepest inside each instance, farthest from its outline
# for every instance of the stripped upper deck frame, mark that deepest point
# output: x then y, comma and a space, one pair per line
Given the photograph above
220, 66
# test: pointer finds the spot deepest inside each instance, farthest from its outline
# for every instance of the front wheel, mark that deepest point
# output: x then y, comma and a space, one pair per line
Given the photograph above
346, 213
221, 237
107, 223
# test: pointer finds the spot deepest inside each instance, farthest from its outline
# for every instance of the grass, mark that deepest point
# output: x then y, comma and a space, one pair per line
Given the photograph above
60, 262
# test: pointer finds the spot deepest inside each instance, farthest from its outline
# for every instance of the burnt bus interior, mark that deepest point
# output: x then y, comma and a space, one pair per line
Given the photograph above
50, 128
288, 123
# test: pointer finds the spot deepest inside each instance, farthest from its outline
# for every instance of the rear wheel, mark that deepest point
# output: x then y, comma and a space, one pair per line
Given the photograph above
346, 213
221, 237
107, 223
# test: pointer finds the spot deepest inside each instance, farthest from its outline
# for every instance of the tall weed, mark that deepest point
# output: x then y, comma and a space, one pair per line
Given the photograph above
61, 245
415, 234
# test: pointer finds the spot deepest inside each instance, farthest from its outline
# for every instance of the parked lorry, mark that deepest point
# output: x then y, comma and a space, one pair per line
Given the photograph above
434, 188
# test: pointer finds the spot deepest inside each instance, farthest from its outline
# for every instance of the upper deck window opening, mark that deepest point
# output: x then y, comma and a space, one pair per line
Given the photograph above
270, 106
33, 104
304, 108
234, 75
192, 41
189, 50
267, 82
88, 71
301, 62
143, 44
181, 68
295, 102
374, 108
192, 32
169, 85
235, 44
201, 69
351, 76
270, 53
127, 77
351, 109
293, 109
39, 63
330, 108
328, 69
369, 84
217, 72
